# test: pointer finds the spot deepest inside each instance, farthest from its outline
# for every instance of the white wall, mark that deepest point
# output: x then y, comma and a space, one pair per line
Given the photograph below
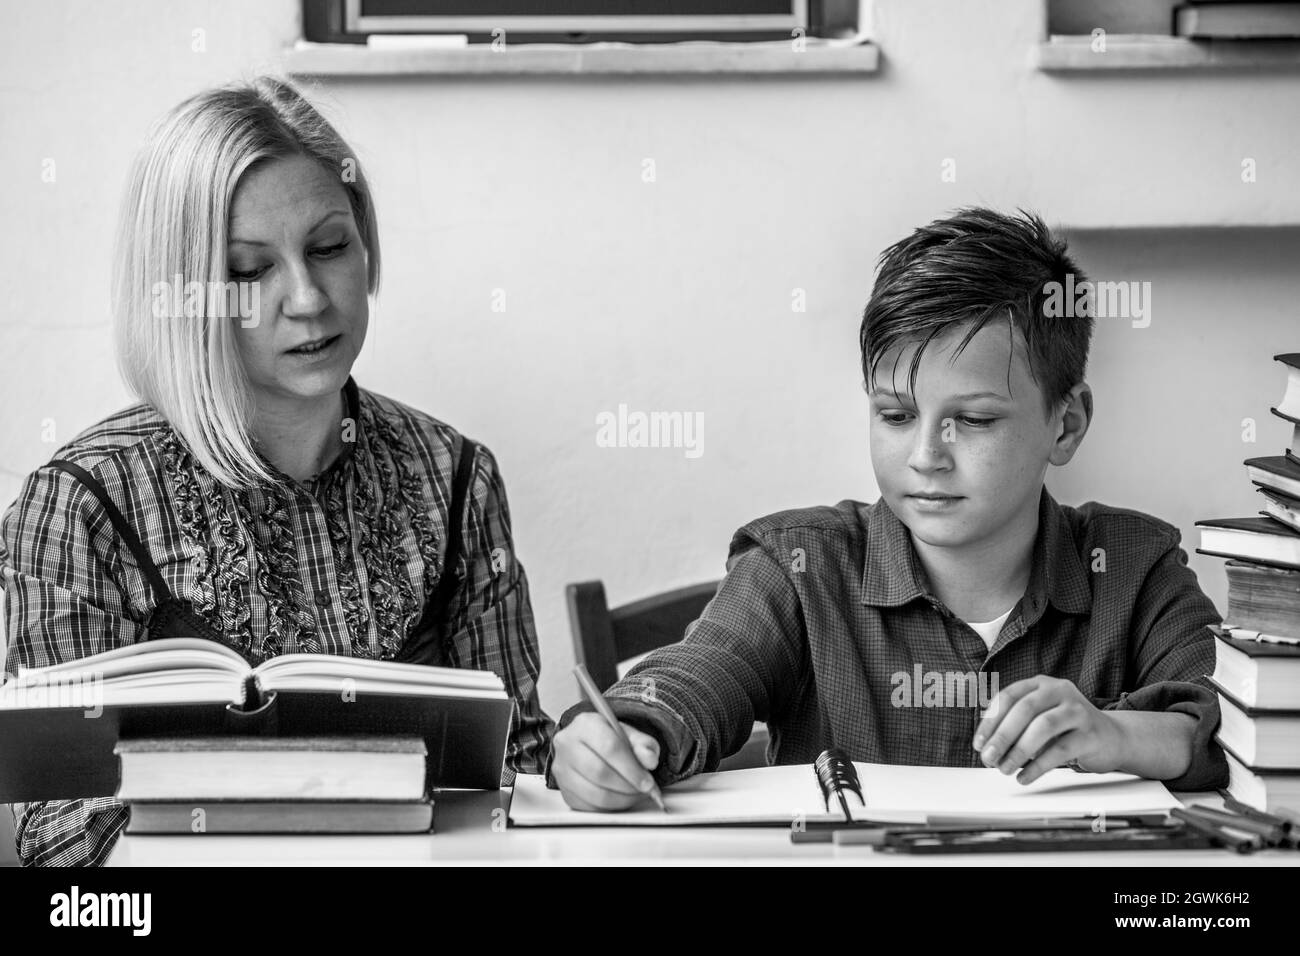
1170, 433
676, 295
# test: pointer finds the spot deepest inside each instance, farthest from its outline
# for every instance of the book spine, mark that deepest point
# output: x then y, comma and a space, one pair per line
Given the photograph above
252, 693
258, 715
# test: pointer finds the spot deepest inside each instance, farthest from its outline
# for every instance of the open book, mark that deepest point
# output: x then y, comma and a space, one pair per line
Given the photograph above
788, 795
59, 724
185, 669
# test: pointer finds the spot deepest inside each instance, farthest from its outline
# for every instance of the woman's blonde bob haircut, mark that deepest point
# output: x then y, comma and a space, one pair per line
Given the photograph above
173, 225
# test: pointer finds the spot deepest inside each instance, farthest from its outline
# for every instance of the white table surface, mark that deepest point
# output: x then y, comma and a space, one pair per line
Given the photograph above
469, 830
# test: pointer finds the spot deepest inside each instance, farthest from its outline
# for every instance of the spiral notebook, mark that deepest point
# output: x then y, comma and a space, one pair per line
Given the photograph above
889, 793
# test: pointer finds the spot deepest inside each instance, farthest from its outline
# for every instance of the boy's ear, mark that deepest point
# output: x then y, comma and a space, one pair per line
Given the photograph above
1075, 418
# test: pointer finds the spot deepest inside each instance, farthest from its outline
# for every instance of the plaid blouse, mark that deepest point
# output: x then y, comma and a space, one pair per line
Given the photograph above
342, 564
825, 627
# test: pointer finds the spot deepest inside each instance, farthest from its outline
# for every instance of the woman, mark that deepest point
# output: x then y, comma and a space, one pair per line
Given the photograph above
290, 509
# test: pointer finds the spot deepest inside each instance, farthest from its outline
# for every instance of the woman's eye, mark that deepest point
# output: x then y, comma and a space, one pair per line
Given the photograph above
320, 252
976, 422
329, 252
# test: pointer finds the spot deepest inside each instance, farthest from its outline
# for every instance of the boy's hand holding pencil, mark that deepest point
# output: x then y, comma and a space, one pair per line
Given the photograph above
602, 764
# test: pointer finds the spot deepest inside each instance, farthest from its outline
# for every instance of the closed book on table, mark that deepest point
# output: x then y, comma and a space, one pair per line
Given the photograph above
1261, 739
282, 816
1263, 789
1258, 540
271, 768
1260, 674
59, 725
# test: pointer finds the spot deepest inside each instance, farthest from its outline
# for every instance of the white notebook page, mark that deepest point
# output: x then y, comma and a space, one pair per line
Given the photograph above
782, 795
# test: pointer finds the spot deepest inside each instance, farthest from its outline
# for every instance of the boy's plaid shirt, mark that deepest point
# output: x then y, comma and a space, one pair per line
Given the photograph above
338, 578
824, 610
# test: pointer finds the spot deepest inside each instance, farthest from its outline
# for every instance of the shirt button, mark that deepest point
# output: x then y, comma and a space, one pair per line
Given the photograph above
322, 600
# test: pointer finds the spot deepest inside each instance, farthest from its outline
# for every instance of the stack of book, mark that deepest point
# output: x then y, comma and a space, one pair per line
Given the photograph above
196, 741
201, 785
1257, 654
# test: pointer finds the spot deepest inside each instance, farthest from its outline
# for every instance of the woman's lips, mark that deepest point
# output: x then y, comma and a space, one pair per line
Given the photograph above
326, 344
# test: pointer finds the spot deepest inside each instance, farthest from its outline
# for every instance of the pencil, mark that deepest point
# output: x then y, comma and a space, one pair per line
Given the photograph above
598, 701
1271, 833
1245, 809
1232, 838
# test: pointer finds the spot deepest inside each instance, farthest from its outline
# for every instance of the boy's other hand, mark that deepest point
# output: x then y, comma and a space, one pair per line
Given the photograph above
596, 770
1045, 722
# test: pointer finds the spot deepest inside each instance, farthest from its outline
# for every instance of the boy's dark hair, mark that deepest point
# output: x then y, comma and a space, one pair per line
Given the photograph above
976, 266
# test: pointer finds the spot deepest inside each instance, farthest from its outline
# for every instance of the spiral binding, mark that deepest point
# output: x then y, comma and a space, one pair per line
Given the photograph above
836, 774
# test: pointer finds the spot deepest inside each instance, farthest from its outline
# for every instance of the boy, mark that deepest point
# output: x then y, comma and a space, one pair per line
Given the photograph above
1083, 628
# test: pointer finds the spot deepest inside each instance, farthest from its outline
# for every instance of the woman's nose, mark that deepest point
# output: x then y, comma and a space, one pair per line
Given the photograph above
303, 295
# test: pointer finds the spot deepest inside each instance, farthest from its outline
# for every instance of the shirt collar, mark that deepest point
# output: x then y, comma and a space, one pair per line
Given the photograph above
892, 574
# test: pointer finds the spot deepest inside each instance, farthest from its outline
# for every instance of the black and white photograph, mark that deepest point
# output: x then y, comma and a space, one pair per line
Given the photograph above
640, 434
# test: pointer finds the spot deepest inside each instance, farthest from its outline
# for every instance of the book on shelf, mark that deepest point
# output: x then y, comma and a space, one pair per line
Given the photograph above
281, 816
1261, 739
271, 768
1256, 540
1260, 674
1237, 21
59, 725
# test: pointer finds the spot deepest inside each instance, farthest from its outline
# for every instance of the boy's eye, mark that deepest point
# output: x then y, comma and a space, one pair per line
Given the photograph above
974, 422
895, 418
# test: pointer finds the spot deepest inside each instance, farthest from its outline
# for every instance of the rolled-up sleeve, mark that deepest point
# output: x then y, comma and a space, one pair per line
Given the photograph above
1208, 769
1172, 656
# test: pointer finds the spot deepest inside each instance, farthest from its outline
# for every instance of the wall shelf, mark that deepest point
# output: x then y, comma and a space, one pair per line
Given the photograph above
1072, 54
600, 59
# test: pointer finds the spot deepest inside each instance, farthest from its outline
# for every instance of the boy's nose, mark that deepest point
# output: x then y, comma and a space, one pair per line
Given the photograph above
929, 451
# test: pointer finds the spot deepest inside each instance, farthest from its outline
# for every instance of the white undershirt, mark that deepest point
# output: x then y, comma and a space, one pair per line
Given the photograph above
989, 630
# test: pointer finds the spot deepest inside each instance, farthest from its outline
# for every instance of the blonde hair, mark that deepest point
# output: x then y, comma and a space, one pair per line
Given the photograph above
173, 222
